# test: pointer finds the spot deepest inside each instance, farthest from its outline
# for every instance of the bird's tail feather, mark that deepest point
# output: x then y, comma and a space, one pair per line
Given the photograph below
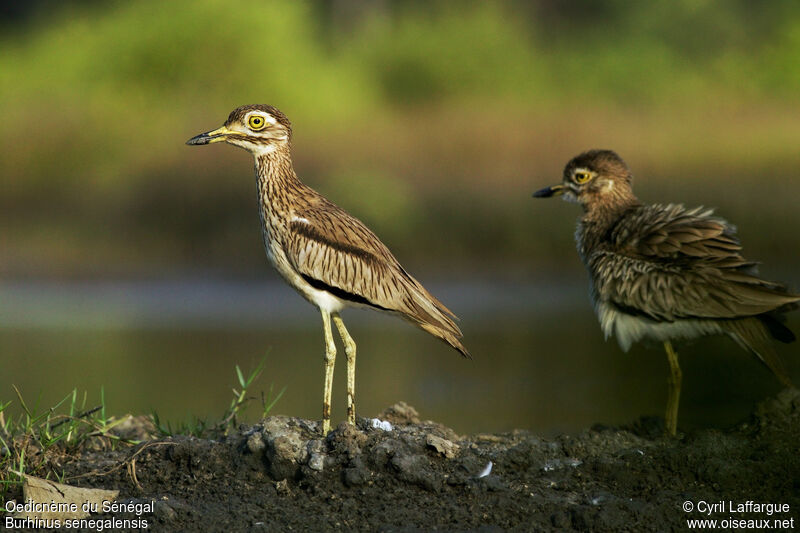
447, 336
425, 311
774, 323
754, 335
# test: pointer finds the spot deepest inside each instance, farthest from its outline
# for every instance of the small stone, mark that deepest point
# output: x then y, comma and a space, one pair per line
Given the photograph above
316, 462
282, 487
41, 490
255, 443
376, 423
445, 447
164, 512
316, 455
315, 446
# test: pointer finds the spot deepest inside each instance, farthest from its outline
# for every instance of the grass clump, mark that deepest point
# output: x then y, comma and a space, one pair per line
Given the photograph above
203, 428
36, 441
39, 441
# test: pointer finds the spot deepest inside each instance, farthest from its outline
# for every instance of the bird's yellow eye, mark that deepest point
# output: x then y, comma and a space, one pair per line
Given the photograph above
582, 176
256, 122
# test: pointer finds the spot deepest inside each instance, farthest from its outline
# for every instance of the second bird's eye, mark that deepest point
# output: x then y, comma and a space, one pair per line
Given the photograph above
582, 177
256, 122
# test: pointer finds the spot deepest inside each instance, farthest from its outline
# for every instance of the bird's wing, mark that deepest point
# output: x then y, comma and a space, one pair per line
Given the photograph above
671, 262
336, 252
678, 234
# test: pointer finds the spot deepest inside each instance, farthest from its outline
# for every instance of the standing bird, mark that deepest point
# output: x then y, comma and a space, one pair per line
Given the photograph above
331, 258
664, 272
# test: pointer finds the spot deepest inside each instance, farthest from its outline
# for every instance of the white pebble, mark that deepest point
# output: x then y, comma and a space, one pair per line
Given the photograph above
486, 471
381, 424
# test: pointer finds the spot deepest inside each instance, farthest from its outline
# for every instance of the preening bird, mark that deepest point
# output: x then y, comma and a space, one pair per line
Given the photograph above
331, 258
668, 272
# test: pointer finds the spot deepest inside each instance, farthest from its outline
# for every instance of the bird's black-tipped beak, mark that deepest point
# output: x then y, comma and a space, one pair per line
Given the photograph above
547, 192
219, 134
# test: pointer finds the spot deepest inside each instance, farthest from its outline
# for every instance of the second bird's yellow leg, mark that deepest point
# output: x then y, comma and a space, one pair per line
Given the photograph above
330, 359
674, 392
350, 351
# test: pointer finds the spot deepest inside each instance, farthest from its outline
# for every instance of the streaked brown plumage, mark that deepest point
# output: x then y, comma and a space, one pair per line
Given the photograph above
666, 272
331, 258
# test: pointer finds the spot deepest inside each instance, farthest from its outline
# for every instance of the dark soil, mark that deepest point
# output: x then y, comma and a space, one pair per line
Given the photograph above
282, 475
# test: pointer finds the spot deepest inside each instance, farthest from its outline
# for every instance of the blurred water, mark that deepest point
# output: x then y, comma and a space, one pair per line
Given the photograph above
540, 361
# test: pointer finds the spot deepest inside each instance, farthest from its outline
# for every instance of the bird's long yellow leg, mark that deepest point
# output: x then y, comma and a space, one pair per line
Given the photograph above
674, 392
350, 351
330, 359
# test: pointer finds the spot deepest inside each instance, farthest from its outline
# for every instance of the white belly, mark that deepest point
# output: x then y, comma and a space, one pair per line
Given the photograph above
322, 299
277, 256
630, 328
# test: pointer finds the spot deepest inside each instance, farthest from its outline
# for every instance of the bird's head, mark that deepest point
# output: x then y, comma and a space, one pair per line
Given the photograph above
592, 177
256, 128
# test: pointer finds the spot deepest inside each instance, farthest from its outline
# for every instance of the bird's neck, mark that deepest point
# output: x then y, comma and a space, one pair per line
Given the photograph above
276, 176
275, 165
603, 206
600, 217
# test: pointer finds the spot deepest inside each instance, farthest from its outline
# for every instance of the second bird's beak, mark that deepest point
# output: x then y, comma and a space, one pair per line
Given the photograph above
219, 134
553, 190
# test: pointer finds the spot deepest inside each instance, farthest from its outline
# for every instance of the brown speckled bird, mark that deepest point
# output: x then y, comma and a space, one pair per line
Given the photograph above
665, 272
331, 258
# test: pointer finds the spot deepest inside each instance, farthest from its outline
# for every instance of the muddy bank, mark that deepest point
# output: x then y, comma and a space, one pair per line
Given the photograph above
282, 475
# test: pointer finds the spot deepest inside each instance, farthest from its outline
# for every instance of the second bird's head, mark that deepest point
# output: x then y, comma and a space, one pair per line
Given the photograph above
257, 128
592, 177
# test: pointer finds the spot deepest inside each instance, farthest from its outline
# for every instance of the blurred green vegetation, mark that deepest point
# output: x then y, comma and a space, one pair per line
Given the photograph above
431, 121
